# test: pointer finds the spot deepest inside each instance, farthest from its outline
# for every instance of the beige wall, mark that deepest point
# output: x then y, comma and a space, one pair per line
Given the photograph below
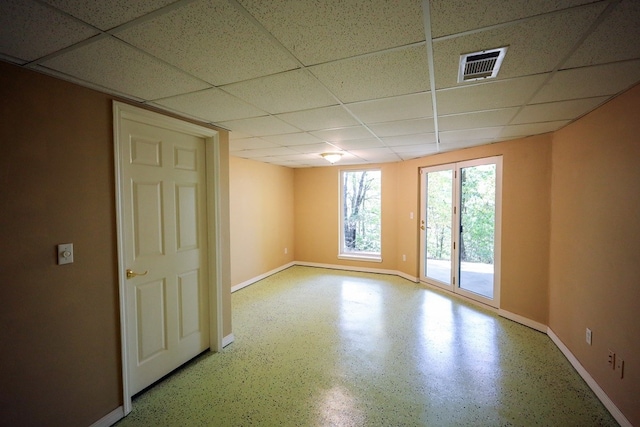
595, 236
262, 221
317, 222
525, 218
59, 325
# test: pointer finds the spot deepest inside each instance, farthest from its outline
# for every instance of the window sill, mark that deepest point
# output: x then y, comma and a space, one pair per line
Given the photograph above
361, 257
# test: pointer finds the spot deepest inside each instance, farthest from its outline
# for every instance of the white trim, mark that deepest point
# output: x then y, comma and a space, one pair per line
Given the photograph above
407, 276
110, 419
347, 268
260, 277
523, 320
606, 401
228, 340
212, 159
602, 396
459, 296
357, 257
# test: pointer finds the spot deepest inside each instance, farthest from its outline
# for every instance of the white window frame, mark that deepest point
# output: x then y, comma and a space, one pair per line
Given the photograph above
356, 256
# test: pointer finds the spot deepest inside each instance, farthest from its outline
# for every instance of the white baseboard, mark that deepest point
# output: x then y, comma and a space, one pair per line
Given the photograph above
260, 277
523, 320
110, 419
606, 401
611, 407
227, 340
358, 269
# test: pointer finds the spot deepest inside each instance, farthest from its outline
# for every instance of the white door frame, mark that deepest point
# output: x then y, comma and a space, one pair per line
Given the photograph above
454, 287
214, 257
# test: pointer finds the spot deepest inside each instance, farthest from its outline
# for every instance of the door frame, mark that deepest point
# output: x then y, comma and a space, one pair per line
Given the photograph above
455, 287
213, 203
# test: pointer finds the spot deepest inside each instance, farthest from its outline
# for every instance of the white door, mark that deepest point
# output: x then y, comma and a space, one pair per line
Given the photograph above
164, 244
460, 228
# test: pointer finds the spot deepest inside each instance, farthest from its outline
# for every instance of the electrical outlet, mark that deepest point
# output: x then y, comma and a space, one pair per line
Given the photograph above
588, 336
404, 257
612, 360
286, 251
620, 367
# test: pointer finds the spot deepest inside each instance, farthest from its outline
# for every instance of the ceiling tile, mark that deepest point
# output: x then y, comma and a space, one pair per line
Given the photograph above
451, 17
488, 96
423, 138
211, 40
249, 144
476, 119
376, 154
29, 30
238, 135
407, 152
285, 92
343, 134
319, 118
597, 80
118, 66
314, 148
213, 105
457, 145
357, 144
299, 138
390, 73
470, 134
264, 152
260, 126
108, 14
403, 127
532, 129
417, 105
315, 31
568, 110
534, 46
611, 41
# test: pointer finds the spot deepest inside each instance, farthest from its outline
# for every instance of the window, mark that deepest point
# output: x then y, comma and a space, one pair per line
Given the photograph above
360, 214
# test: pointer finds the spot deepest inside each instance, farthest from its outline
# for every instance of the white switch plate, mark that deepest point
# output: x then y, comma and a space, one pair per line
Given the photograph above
65, 253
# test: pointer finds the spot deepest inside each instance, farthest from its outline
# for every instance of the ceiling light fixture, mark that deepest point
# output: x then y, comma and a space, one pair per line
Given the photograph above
332, 157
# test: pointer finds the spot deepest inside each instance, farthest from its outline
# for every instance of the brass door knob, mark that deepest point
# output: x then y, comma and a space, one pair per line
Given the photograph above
131, 273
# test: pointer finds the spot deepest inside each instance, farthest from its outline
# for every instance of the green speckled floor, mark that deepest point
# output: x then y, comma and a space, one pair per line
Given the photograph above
317, 347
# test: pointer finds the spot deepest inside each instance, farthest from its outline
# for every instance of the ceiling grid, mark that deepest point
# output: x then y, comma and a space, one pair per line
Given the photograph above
375, 80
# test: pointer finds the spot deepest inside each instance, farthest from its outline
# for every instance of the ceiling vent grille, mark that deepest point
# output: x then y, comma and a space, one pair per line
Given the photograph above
480, 65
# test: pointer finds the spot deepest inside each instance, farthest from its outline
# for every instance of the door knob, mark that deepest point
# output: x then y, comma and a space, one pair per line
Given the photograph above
131, 273
422, 227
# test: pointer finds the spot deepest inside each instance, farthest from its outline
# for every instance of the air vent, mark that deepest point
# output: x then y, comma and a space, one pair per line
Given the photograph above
480, 65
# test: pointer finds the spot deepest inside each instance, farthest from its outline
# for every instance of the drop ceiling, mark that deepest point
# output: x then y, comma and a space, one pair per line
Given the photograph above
375, 79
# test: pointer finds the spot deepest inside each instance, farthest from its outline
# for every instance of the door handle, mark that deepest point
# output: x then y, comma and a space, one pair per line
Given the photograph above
131, 273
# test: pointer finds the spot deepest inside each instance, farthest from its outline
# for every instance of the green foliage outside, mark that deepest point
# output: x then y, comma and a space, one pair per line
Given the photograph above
439, 211
361, 206
477, 206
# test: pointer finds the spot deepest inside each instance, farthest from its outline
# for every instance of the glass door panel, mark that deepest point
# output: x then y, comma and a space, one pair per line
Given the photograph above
460, 228
438, 224
436, 221
477, 229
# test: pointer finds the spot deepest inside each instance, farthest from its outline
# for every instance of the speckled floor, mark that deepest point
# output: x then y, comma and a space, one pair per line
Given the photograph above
316, 347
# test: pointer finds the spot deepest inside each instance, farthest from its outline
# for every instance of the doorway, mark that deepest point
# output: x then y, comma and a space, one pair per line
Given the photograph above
168, 252
460, 223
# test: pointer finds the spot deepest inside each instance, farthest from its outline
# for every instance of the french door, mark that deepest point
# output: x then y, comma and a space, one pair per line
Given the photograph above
460, 228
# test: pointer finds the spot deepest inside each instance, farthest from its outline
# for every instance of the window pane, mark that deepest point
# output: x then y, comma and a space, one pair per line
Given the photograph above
361, 212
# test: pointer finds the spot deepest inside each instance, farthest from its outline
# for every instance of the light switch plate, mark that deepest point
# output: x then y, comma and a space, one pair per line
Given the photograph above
65, 253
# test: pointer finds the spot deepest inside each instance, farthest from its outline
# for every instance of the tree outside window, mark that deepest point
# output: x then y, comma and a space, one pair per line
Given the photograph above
361, 209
